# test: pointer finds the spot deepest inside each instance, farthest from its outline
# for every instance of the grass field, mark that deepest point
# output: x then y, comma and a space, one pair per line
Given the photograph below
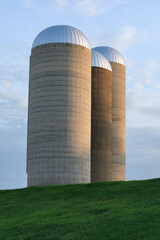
98, 211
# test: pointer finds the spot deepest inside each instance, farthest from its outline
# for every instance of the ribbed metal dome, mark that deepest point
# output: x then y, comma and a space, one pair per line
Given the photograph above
61, 34
98, 60
111, 54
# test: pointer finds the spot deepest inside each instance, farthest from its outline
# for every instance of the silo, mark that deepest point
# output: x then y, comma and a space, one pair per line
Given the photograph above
59, 108
118, 111
101, 118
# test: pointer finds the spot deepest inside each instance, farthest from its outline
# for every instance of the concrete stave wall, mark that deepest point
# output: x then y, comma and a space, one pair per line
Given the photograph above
118, 121
101, 125
59, 115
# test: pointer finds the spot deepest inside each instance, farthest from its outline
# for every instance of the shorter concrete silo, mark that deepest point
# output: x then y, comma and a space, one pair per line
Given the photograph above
101, 118
118, 111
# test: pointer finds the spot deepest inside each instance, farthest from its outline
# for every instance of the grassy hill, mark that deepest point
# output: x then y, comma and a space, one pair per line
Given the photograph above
97, 211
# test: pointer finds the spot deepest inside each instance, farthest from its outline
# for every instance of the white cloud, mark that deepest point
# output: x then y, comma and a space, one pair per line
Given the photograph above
28, 3
93, 8
81, 7
143, 152
52, 6
13, 88
149, 72
128, 36
152, 64
143, 98
60, 3
89, 7
142, 106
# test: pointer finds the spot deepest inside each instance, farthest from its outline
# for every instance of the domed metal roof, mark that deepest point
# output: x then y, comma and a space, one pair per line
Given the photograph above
98, 60
61, 34
111, 54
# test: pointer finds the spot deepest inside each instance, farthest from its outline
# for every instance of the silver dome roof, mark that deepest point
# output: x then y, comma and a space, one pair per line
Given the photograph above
111, 54
61, 34
98, 60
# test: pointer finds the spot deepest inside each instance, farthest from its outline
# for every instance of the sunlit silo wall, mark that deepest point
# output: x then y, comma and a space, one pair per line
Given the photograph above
118, 111
101, 115
59, 114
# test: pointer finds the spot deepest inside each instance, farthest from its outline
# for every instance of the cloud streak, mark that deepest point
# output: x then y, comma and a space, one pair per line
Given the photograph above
87, 8
28, 3
129, 36
13, 89
143, 152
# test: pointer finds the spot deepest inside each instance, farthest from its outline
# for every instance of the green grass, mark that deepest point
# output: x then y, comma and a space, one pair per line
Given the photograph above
97, 211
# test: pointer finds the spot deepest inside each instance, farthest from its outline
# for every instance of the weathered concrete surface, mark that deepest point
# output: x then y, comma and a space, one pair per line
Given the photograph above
101, 125
118, 121
59, 115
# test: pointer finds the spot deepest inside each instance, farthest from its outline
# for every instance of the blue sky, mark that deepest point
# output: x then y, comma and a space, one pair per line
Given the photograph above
130, 26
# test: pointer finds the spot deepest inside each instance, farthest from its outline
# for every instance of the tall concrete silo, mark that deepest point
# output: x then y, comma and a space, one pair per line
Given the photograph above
101, 115
118, 111
59, 110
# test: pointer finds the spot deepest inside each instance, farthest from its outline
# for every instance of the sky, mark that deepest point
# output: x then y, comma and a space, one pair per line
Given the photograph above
130, 26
